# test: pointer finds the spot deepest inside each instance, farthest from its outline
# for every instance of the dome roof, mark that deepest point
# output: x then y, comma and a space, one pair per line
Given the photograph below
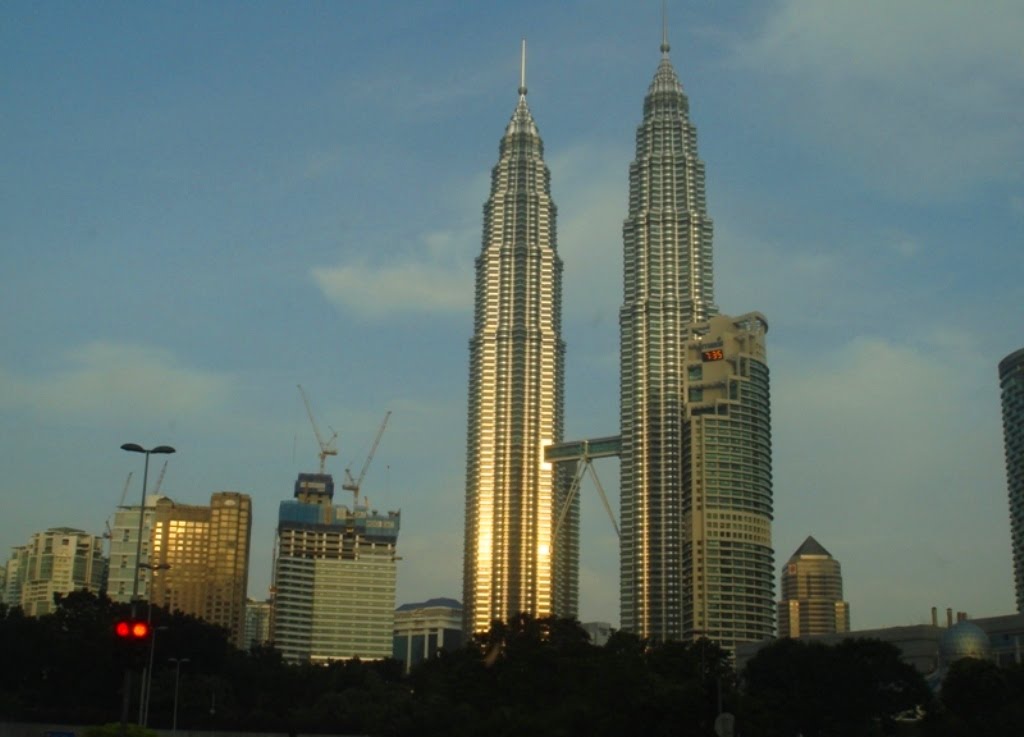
964, 640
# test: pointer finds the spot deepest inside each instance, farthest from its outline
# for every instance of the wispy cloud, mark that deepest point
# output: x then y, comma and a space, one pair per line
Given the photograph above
116, 379
439, 278
921, 98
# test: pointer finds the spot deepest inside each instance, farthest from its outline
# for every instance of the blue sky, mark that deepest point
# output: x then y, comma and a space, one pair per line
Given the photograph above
205, 204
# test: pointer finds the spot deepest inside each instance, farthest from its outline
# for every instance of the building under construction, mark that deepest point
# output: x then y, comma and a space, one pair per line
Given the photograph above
335, 572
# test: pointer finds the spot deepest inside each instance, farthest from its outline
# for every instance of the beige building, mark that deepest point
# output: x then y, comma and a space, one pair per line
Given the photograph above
812, 594
57, 561
200, 559
722, 585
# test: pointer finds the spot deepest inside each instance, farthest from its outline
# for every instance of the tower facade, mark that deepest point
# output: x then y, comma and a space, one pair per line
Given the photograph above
1011, 382
512, 561
812, 594
695, 423
200, 559
335, 573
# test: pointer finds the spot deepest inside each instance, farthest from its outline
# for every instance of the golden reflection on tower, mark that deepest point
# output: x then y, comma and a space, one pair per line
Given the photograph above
515, 396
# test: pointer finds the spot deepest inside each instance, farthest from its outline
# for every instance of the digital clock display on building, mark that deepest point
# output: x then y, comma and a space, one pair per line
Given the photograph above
715, 354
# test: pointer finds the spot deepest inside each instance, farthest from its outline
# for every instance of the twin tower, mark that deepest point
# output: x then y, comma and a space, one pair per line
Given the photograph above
696, 557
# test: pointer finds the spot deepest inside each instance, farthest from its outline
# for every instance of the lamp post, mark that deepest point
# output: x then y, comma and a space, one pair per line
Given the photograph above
135, 448
177, 678
147, 680
147, 675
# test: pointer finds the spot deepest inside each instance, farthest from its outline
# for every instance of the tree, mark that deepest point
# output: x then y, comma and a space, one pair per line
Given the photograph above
809, 688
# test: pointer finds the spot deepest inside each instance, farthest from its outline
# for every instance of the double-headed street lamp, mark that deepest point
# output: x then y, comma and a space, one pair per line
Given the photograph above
135, 448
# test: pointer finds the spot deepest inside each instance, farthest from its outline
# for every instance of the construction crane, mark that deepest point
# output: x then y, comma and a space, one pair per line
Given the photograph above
327, 448
160, 479
120, 505
124, 492
353, 484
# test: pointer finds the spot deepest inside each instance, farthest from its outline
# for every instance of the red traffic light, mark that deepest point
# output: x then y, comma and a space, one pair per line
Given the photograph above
130, 630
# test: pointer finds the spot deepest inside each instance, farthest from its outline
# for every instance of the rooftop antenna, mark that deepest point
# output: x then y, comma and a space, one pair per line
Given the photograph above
522, 70
664, 27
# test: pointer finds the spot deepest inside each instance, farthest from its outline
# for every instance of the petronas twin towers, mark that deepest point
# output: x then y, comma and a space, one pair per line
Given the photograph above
695, 438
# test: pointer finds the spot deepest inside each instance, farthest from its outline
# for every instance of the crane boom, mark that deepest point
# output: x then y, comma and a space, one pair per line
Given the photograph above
354, 484
326, 448
124, 492
160, 479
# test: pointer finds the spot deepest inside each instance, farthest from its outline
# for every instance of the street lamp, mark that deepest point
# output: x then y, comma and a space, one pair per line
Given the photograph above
177, 677
135, 448
147, 679
147, 675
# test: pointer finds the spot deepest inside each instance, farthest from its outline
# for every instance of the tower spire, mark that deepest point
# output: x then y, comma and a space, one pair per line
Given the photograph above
522, 70
664, 28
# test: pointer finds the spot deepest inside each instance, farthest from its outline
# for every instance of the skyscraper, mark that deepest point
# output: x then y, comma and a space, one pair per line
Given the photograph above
512, 561
200, 559
812, 594
695, 484
1011, 382
335, 573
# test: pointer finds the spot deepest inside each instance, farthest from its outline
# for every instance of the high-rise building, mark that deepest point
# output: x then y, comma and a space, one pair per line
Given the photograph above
424, 628
335, 573
1011, 382
512, 561
124, 535
812, 594
257, 623
57, 561
695, 484
200, 559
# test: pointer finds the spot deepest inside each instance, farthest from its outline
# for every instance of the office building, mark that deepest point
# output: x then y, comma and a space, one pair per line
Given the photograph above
1011, 382
335, 573
57, 561
200, 559
812, 594
512, 561
695, 484
422, 629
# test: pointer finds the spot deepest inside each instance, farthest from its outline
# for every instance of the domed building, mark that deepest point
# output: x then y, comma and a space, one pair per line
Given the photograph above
963, 640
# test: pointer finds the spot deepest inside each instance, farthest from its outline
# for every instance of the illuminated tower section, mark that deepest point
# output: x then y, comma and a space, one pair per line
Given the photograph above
668, 285
511, 562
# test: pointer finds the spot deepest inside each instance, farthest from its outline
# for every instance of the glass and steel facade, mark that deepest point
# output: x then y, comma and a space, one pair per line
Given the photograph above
696, 556
812, 594
512, 563
1011, 382
335, 574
